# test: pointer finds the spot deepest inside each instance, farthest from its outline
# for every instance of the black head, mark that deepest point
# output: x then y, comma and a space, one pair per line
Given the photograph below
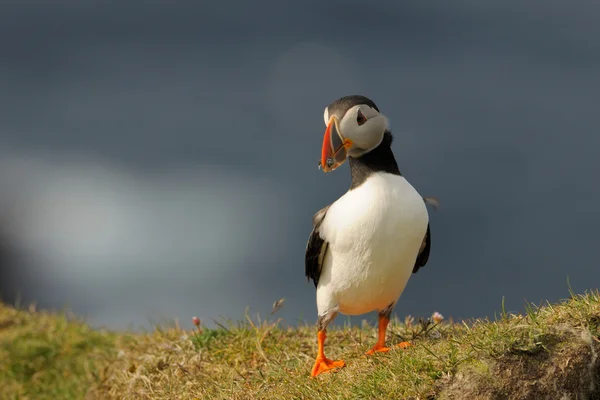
343, 104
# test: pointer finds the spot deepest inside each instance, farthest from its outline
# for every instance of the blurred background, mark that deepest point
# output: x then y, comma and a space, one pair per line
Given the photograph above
158, 160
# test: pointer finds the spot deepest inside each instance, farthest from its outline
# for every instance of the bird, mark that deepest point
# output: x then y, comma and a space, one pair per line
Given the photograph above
365, 246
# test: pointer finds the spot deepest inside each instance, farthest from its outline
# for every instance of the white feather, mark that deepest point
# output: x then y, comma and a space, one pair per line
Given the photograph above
374, 233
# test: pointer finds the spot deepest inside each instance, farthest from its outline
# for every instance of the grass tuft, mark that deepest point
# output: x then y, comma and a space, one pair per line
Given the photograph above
548, 352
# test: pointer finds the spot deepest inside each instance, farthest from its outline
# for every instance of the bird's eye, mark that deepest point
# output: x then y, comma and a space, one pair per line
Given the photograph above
360, 118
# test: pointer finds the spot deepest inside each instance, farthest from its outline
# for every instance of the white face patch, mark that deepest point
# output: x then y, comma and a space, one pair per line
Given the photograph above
367, 136
326, 115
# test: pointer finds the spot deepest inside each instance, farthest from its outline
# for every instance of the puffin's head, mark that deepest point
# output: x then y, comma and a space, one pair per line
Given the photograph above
354, 127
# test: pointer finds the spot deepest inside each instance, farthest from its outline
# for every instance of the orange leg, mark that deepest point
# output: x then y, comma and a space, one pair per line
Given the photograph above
380, 345
322, 363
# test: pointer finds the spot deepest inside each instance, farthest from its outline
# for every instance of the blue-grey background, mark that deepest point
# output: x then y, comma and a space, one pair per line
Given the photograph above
159, 159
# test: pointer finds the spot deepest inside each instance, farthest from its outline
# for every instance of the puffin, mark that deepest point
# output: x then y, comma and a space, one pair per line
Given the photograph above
365, 246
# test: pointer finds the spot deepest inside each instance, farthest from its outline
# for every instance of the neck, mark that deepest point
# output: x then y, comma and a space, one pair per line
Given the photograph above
380, 159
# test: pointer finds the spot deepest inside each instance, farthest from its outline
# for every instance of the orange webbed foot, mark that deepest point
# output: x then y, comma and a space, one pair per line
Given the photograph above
404, 345
326, 365
378, 349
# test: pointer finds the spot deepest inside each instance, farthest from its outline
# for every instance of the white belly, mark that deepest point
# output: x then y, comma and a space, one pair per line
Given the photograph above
374, 234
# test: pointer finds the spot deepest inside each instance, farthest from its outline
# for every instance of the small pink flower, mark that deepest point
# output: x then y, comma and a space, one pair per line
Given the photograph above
196, 321
437, 317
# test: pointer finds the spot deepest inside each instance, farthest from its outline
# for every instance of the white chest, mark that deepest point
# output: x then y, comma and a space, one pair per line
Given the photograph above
374, 234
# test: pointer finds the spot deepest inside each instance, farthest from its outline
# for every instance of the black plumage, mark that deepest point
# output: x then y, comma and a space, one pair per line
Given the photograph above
423, 256
316, 248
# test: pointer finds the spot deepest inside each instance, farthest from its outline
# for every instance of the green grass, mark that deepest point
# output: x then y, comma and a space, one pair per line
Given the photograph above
549, 352
46, 356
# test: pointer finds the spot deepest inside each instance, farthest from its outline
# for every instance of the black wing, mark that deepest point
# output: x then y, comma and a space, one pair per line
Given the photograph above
423, 252
316, 248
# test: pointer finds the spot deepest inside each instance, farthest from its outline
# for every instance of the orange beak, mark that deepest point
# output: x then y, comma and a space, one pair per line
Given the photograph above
335, 147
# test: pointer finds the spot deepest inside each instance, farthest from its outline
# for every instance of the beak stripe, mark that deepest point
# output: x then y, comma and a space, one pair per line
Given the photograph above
335, 146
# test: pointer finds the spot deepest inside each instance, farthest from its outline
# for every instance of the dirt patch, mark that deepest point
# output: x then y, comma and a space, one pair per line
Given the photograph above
6, 323
565, 367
